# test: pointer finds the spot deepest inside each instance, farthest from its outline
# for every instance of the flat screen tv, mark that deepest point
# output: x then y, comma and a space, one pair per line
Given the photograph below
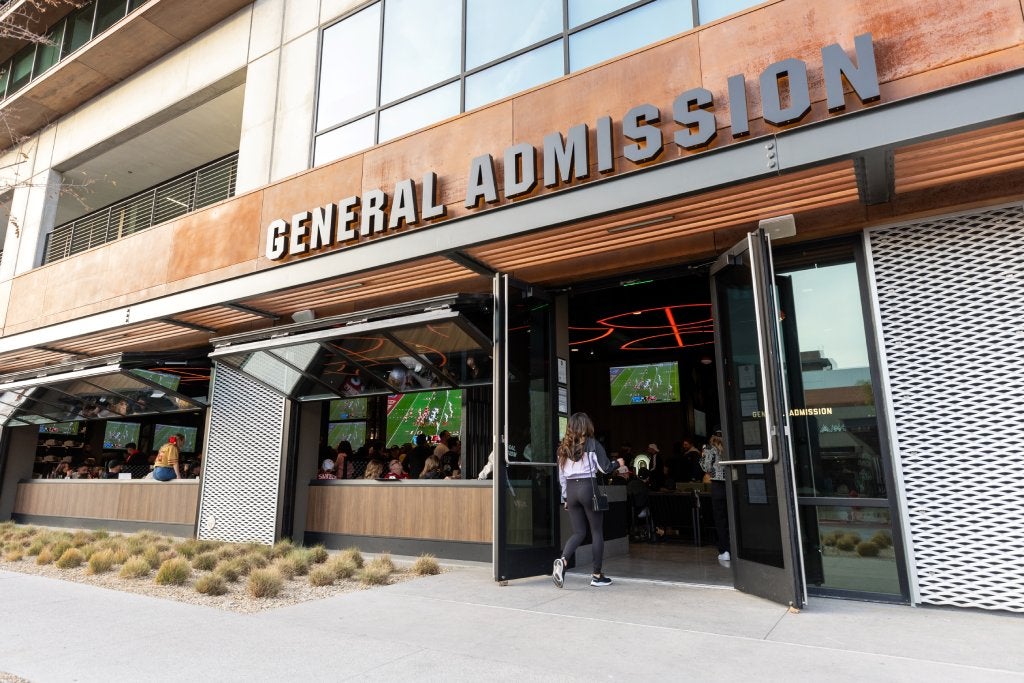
423, 412
347, 409
164, 379
353, 432
70, 428
117, 435
162, 432
642, 384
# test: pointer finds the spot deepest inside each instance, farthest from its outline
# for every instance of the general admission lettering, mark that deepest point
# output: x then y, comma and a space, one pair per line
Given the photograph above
567, 158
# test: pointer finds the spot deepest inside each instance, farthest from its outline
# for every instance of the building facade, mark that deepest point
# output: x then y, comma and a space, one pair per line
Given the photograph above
271, 226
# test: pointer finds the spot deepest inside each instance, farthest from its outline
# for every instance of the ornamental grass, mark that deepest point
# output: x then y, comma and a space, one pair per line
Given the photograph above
354, 555
70, 558
175, 571
264, 583
211, 584
101, 561
374, 575
135, 567
321, 576
426, 565
342, 566
382, 562
204, 561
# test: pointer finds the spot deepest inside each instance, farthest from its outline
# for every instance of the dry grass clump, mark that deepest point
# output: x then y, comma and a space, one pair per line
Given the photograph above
282, 548
248, 562
382, 562
426, 565
36, 546
342, 567
299, 561
188, 549
174, 572
211, 584
70, 558
45, 556
80, 538
151, 554
228, 570
87, 550
354, 555
204, 561
135, 567
317, 554
321, 576
284, 567
374, 575
265, 583
14, 555
101, 561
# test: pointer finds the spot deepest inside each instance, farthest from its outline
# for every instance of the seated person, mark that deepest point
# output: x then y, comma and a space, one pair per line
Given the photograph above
456, 474
326, 470
374, 470
114, 467
431, 468
395, 471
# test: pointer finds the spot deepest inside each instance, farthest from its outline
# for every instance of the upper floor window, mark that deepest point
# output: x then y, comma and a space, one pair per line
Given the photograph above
398, 65
63, 38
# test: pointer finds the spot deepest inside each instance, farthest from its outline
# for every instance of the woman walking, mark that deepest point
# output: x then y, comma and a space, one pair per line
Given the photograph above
580, 459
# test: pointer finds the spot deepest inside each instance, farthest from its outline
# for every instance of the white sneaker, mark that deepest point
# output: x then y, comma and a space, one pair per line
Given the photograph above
725, 557
558, 573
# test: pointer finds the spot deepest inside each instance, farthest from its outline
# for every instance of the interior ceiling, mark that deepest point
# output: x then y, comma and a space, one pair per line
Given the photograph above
947, 172
194, 138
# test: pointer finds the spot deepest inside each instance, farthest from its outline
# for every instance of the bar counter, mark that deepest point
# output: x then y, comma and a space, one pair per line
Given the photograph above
447, 518
113, 504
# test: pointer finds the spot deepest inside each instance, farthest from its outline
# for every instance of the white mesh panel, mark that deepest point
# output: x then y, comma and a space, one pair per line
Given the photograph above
951, 302
242, 468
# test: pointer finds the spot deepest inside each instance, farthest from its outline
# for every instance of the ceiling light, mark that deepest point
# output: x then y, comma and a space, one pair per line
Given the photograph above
641, 224
343, 288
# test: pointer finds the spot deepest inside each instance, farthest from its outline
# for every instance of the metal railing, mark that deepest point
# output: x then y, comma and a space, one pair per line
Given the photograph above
190, 191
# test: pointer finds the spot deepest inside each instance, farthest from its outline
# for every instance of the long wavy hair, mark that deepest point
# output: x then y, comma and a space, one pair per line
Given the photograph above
579, 429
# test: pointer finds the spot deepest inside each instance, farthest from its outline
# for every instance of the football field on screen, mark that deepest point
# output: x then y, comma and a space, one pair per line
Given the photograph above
655, 381
428, 412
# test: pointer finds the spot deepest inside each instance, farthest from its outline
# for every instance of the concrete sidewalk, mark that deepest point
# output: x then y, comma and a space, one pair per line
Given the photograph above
462, 626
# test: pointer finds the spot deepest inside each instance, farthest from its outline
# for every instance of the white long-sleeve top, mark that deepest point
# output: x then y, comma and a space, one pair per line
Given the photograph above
592, 461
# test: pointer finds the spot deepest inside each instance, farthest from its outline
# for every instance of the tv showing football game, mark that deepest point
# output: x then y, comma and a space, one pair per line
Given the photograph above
164, 379
70, 428
641, 384
161, 433
353, 432
117, 435
423, 412
347, 409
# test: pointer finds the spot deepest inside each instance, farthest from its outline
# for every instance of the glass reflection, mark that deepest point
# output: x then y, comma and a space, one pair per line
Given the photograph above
419, 112
522, 72
343, 141
832, 397
709, 10
348, 68
850, 548
421, 46
582, 11
629, 31
494, 29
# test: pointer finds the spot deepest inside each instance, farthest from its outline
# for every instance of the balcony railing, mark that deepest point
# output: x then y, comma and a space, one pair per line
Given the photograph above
193, 190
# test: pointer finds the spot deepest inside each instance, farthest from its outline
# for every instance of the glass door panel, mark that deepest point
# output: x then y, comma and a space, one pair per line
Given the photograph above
766, 554
526, 489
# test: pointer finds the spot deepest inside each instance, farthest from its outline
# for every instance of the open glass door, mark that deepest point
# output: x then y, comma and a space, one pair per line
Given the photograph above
766, 554
526, 494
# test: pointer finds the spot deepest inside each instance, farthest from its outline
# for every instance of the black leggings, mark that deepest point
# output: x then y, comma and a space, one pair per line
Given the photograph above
580, 498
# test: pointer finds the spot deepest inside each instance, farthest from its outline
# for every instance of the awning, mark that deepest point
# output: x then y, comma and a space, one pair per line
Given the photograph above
108, 387
425, 345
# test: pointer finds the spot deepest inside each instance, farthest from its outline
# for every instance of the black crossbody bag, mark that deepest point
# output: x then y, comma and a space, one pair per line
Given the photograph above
600, 500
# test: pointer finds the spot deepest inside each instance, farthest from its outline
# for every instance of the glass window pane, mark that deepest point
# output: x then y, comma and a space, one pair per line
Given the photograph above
514, 75
108, 13
629, 31
348, 68
48, 53
21, 68
709, 10
835, 420
850, 548
582, 11
422, 45
343, 141
419, 112
136, 4
79, 28
495, 29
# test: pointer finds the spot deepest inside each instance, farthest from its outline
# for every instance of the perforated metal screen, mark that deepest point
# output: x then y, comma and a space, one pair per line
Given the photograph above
951, 302
242, 470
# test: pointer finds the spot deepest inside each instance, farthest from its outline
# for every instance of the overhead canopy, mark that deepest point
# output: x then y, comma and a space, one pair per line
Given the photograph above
109, 387
430, 344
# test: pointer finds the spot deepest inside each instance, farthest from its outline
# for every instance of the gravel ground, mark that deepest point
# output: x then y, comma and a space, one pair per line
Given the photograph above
235, 600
